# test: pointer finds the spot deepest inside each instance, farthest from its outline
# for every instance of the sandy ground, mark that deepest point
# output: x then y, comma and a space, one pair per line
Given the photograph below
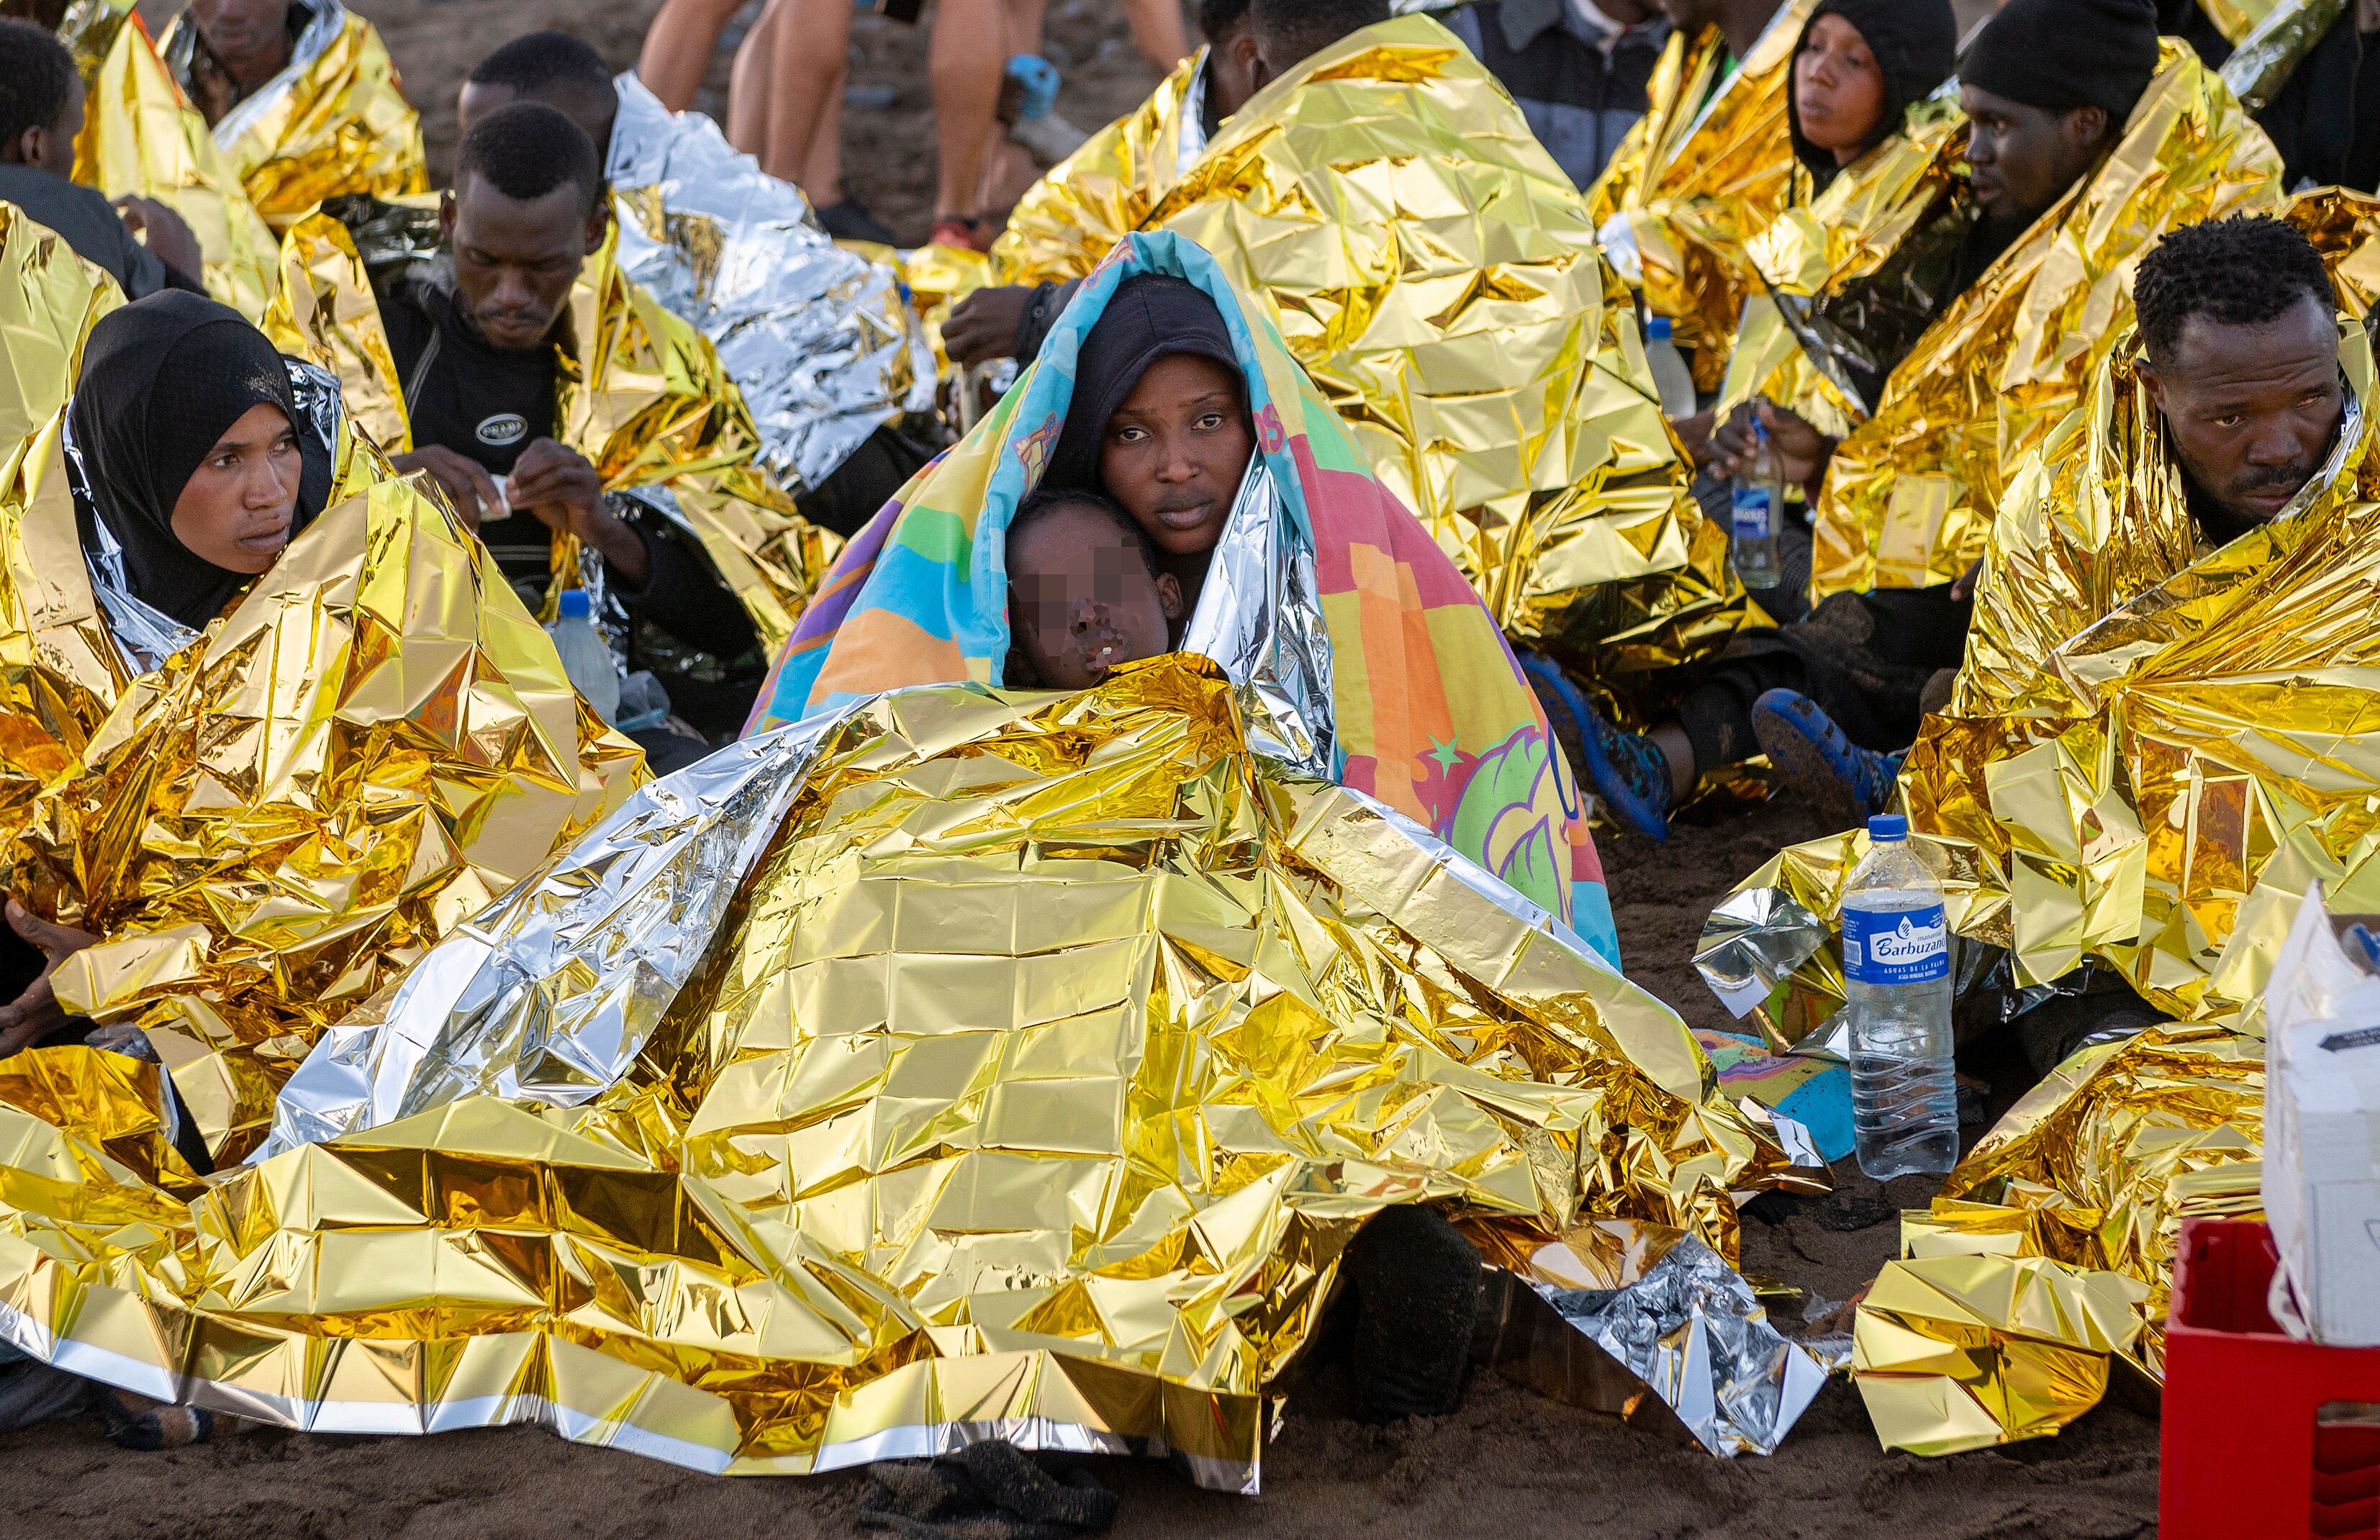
1511, 1462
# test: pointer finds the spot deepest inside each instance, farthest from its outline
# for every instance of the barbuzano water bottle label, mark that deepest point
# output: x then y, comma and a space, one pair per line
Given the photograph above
1896, 946
1751, 521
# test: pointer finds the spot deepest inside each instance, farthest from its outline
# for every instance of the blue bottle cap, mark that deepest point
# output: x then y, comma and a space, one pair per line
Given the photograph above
1658, 329
574, 603
1888, 827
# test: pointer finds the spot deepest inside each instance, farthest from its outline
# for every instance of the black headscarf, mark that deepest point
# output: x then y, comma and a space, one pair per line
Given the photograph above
1916, 45
162, 379
1147, 317
2059, 55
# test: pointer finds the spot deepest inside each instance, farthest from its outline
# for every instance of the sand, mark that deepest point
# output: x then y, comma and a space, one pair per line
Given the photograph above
1509, 1463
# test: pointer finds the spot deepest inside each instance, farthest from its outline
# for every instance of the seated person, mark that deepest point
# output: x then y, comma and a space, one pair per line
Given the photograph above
1858, 68
479, 338
1577, 68
1084, 591
41, 112
570, 77
1157, 411
2050, 88
196, 475
303, 100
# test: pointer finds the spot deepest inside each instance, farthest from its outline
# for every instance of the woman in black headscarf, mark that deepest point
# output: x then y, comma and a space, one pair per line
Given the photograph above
191, 450
1859, 66
1160, 420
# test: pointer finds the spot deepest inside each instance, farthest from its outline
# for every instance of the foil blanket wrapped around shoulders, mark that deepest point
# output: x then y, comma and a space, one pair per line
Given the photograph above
1433, 716
1436, 274
1909, 495
819, 340
2156, 747
267, 822
641, 394
333, 122
1708, 166
142, 137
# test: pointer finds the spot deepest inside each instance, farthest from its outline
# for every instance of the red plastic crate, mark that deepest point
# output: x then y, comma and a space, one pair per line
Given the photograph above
2246, 1452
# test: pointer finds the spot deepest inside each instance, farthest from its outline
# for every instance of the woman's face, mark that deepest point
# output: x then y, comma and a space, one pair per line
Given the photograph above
237, 508
1174, 452
1837, 89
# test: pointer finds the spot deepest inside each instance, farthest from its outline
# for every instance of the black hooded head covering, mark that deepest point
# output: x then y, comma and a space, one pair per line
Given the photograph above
162, 379
1916, 45
1147, 317
2059, 55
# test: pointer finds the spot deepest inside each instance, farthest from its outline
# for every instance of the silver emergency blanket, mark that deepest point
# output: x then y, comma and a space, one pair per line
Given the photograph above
1679, 1343
549, 994
817, 338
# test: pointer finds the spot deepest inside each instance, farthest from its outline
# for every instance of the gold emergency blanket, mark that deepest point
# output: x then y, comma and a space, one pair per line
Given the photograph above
1104, 191
370, 745
87, 28
50, 299
1706, 168
334, 121
644, 398
1437, 275
139, 136
1909, 496
1850, 279
1050, 1057
2051, 1247
2154, 746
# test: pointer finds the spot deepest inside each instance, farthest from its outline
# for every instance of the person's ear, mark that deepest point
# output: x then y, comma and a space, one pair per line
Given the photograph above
446, 216
1259, 72
599, 223
2085, 127
30, 146
2151, 380
1169, 595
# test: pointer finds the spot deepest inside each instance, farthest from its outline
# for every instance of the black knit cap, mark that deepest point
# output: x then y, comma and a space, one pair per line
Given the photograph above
1916, 45
2059, 55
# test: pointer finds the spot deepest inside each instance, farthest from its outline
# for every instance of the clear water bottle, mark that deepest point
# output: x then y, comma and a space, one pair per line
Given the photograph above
585, 658
1759, 508
1670, 375
1897, 983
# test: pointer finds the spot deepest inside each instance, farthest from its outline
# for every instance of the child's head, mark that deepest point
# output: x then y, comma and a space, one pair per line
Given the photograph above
1085, 593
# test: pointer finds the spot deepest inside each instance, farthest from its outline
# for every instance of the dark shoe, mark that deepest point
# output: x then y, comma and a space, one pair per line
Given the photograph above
850, 220
986, 1489
1826, 769
1628, 771
1417, 1286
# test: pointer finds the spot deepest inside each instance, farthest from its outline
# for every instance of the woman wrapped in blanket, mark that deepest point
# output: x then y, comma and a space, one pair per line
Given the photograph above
1158, 390
196, 471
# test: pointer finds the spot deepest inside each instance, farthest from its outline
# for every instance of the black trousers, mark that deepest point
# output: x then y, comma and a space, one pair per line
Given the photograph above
1864, 658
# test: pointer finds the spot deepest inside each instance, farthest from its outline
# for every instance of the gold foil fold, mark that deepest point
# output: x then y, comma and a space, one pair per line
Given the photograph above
1053, 1053
1437, 274
50, 299
336, 121
370, 745
1104, 191
1710, 165
1909, 495
139, 136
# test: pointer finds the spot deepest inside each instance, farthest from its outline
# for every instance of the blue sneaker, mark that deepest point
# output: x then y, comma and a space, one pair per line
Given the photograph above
1828, 770
1627, 771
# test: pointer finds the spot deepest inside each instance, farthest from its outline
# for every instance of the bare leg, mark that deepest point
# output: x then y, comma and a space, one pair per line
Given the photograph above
748, 83
1679, 751
821, 176
810, 56
678, 45
964, 64
1156, 31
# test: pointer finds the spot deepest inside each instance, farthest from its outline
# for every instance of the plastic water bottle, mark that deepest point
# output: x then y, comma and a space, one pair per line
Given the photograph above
1897, 981
1670, 375
585, 658
1759, 500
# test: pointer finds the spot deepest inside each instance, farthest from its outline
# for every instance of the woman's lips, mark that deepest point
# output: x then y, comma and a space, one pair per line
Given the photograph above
1185, 519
